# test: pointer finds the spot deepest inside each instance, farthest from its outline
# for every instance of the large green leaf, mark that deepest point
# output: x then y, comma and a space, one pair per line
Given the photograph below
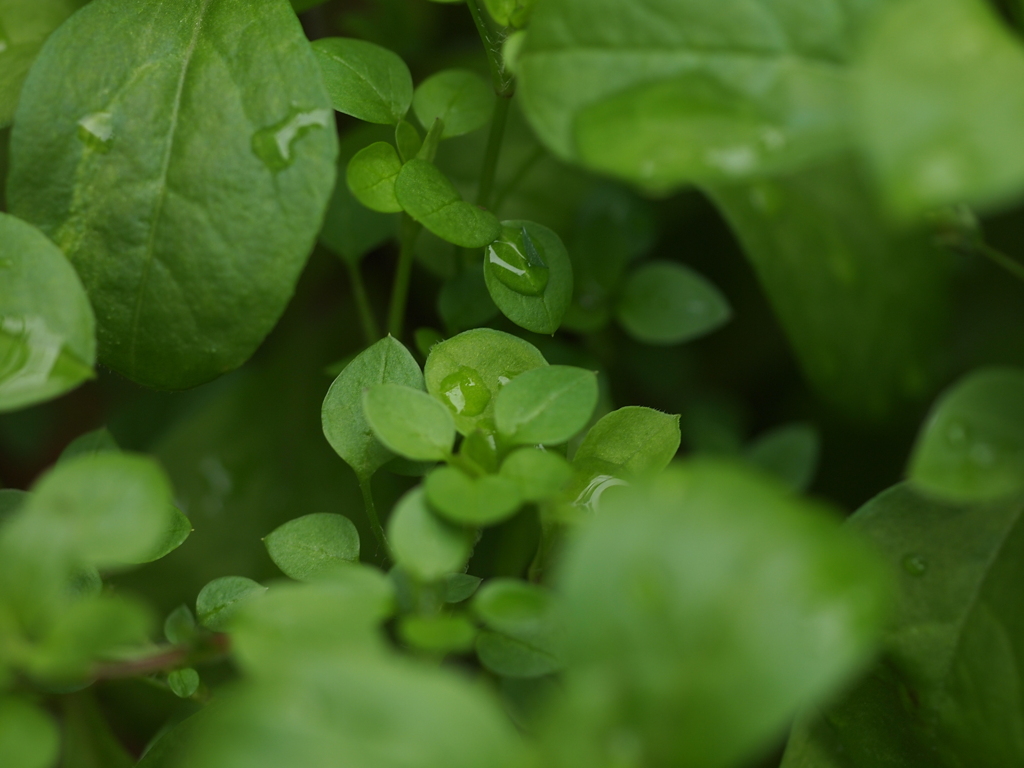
948, 694
863, 304
46, 324
941, 105
185, 185
359, 711
24, 27
664, 91
702, 612
28, 736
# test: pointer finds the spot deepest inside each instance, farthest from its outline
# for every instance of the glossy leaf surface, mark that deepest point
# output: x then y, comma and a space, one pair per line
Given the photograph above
971, 448
466, 500
427, 195
371, 175
547, 405
185, 186
409, 422
313, 546
460, 98
47, 343
344, 424
666, 91
467, 372
364, 80
424, 544
637, 441
529, 275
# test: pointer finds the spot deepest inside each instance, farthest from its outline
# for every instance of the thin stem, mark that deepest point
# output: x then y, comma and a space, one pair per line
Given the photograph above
1012, 266
492, 38
499, 119
370, 329
403, 274
517, 178
371, 513
165, 659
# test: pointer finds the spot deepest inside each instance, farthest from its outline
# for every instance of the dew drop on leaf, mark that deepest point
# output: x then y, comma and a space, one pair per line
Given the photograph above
465, 392
96, 131
515, 260
915, 565
274, 145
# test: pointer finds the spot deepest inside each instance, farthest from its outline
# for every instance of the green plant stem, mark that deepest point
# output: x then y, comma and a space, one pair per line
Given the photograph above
371, 513
403, 274
1012, 266
517, 178
492, 38
370, 329
499, 119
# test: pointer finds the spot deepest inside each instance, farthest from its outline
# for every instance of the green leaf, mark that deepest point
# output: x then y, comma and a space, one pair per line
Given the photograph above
475, 501
408, 140
422, 543
547, 405
459, 587
789, 452
109, 508
951, 648
539, 474
367, 711
510, 13
183, 682
313, 546
409, 422
28, 736
940, 105
459, 97
667, 303
467, 372
636, 441
371, 176
344, 425
428, 196
11, 501
523, 633
438, 634
674, 596
89, 629
176, 528
667, 91
364, 80
220, 600
837, 273
529, 275
47, 345
180, 625
971, 448
24, 27
187, 189
97, 441
295, 621
350, 230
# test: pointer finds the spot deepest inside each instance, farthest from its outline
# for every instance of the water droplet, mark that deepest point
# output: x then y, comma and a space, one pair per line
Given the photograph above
915, 565
515, 260
274, 144
465, 392
590, 496
96, 131
503, 380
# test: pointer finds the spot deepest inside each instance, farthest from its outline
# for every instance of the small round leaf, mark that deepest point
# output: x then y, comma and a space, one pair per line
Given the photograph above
409, 422
314, 545
371, 175
364, 80
427, 195
667, 303
459, 97
422, 543
547, 405
482, 501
